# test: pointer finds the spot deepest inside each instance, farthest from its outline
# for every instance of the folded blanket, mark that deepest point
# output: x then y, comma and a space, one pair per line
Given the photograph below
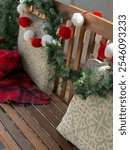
15, 84
9, 61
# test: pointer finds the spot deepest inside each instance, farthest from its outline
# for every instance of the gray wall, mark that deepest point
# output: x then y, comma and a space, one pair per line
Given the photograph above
106, 6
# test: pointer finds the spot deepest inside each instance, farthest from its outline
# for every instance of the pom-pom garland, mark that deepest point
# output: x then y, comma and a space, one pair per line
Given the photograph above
64, 32
105, 51
36, 42
77, 19
22, 8
28, 35
46, 38
24, 22
101, 51
109, 50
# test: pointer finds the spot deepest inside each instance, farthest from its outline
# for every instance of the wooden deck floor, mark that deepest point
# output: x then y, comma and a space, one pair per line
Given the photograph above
29, 127
2, 147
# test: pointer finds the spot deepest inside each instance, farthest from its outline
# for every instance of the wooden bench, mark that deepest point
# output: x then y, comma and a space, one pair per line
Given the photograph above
30, 127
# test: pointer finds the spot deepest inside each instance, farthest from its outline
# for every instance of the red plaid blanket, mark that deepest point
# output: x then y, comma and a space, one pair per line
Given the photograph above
15, 84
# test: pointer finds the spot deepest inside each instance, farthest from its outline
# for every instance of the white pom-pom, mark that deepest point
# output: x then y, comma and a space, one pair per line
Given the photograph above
28, 35
46, 38
77, 19
22, 8
109, 50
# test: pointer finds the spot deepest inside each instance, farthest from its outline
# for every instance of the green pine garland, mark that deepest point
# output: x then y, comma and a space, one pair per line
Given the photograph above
88, 85
8, 23
56, 58
53, 18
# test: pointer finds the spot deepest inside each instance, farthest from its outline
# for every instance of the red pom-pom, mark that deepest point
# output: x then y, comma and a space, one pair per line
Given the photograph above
36, 42
24, 22
101, 51
98, 13
64, 32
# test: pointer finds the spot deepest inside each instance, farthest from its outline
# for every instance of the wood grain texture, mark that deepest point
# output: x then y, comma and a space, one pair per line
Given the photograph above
77, 57
37, 128
49, 115
23, 127
7, 139
68, 59
44, 122
15, 132
91, 45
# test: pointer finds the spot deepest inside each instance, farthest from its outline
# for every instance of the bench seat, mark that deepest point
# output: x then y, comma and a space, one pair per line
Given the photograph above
30, 127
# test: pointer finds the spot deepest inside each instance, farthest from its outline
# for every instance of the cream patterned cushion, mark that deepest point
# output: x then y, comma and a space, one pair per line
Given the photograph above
94, 63
88, 124
35, 59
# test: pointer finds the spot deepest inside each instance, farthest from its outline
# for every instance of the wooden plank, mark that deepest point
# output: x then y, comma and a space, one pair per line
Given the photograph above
91, 45
3, 144
53, 108
103, 40
56, 84
37, 128
79, 48
70, 47
68, 58
25, 129
71, 93
49, 128
7, 139
59, 102
78, 57
49, 115
63, 90
15, 133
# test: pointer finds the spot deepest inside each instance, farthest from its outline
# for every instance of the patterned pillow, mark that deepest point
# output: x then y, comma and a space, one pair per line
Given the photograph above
88, 124
35, 59
94, 63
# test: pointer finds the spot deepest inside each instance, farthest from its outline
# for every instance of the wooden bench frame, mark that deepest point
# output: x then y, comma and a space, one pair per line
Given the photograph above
30, 127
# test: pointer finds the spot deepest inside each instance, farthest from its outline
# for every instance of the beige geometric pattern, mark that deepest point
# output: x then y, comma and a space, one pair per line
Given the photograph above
35, 59
88, 124
94, 63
